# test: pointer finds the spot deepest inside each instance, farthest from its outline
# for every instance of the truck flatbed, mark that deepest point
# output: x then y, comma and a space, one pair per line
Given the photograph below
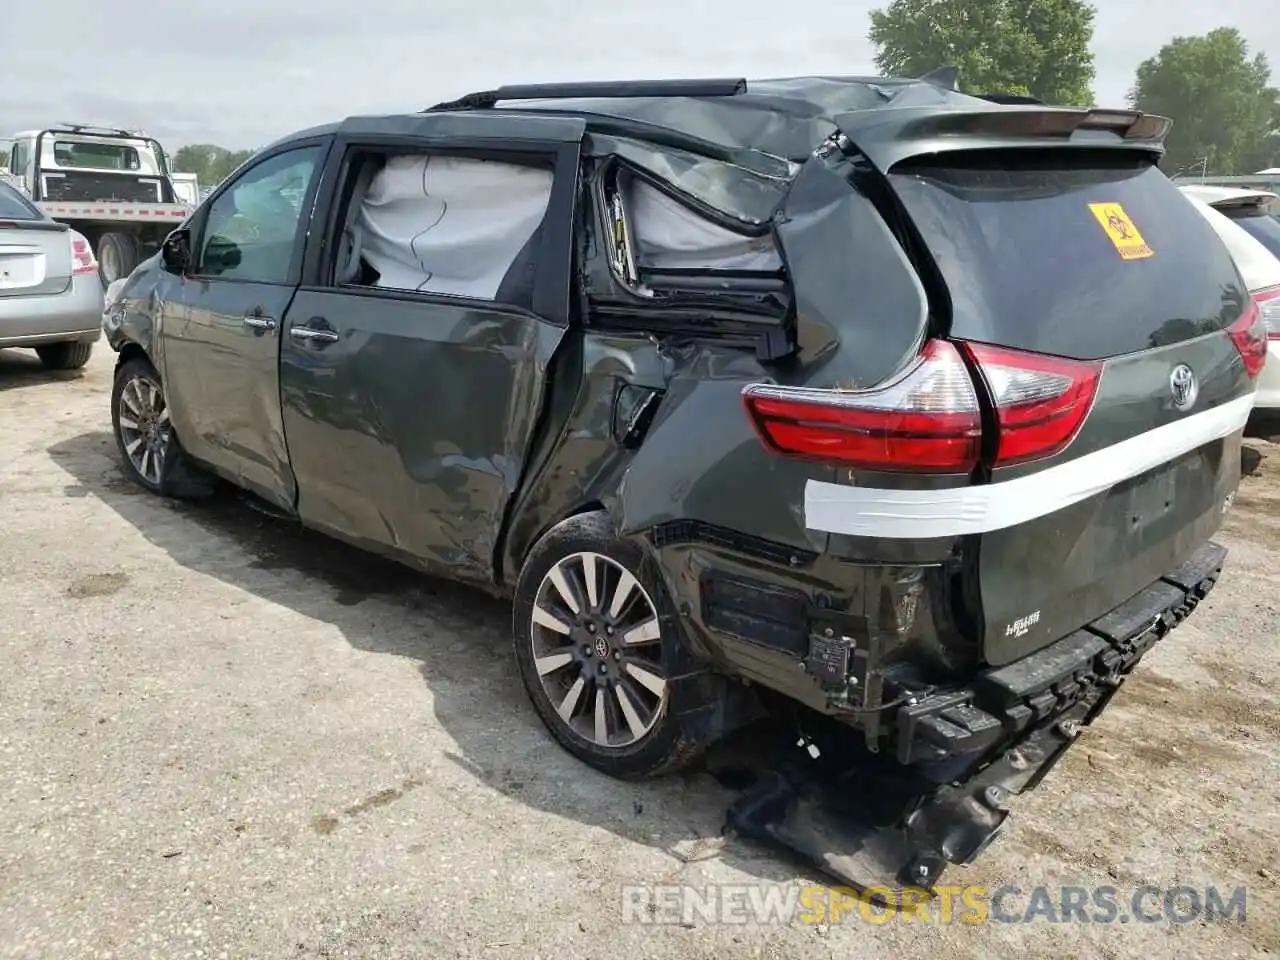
117, 212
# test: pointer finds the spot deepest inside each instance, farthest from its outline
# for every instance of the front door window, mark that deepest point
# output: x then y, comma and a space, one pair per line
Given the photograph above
252, 227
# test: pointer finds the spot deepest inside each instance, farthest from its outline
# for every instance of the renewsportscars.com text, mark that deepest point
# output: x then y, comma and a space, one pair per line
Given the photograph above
785, 904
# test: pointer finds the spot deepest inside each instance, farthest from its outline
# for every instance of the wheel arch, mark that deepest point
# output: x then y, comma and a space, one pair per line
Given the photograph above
522, 537
129, 350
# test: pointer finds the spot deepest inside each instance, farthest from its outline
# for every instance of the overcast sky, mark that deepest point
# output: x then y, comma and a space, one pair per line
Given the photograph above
242, 72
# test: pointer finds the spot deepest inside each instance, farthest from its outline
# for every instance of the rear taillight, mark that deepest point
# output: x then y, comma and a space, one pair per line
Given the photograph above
926, 420
1040, 401
1250, 337
929, 419
82, 258
1268, 302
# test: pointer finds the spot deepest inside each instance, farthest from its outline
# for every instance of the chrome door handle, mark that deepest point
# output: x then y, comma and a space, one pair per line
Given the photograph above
319, 336
259, 323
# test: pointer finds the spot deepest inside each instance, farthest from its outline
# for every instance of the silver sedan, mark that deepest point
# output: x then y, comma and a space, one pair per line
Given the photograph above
50, 293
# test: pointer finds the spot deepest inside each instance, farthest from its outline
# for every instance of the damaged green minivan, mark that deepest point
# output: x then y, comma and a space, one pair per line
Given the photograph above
910, 409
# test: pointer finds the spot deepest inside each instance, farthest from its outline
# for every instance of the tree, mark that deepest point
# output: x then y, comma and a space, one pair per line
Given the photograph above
1224, 110
1036, 47
209, 162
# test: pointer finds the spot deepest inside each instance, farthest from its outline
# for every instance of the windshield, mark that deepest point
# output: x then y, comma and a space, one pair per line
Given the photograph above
14, 206
86, 153
98, 156
1263, 227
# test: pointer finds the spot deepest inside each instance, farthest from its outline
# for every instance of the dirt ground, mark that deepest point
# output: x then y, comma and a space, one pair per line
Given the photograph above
223, 737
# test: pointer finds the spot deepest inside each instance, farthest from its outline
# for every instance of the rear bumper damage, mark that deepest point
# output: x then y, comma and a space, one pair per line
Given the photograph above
892, 821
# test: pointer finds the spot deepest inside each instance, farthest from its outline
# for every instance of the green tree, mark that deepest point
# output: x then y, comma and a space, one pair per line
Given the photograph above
1036, 47
1225, 112
209, 162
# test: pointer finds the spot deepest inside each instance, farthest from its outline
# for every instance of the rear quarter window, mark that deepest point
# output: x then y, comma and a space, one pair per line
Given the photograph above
1028, 263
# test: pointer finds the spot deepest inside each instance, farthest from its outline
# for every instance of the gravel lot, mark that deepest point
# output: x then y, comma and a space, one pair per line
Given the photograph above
223, 737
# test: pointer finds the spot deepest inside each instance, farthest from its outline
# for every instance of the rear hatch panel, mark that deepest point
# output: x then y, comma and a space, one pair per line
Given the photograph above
1143, 485
1053, 234
35, 258
1090, 255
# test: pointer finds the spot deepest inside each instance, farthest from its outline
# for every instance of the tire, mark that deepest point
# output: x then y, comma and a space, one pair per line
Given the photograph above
68, 355
670, 742
168, 471
117, 256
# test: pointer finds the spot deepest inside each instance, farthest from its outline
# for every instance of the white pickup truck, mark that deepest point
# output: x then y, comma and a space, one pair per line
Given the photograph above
113, 186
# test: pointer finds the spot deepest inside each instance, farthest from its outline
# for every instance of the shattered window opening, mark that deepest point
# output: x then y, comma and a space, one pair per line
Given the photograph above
652, 233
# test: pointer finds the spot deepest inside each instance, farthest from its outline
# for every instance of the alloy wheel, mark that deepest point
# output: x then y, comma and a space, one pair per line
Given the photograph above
143, 419
597, 648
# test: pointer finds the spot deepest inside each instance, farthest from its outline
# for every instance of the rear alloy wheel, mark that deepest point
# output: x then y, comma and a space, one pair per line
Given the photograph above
596, 645
144, 434
64, 356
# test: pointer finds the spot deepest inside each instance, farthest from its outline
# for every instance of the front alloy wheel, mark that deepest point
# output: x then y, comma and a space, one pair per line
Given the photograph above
149, 447
143, 421
597, 649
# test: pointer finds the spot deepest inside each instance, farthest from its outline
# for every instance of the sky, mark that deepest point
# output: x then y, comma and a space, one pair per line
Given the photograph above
241, 73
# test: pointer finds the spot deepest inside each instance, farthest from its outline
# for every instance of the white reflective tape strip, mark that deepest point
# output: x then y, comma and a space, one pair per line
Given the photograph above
919, 514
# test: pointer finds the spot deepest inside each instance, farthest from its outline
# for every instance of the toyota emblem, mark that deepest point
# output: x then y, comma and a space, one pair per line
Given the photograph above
1183, 386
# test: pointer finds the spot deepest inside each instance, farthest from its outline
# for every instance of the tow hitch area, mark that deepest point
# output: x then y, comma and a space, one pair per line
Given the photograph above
873, 821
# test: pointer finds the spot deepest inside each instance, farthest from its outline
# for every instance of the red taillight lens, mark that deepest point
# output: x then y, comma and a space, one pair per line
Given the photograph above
1250, 337
82, 258
929, 420
1268, 302
1040, 401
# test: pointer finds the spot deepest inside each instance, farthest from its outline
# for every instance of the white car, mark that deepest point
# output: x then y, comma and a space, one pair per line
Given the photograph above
1245, 222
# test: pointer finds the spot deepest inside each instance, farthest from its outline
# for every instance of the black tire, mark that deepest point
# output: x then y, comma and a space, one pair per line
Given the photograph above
117, 254
64, 356
673, 742
178, 476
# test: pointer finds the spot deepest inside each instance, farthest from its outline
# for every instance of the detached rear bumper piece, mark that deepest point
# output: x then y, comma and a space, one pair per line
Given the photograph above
830, 808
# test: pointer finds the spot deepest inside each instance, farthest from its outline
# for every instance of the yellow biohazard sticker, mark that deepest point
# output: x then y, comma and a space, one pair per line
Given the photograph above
1121, 231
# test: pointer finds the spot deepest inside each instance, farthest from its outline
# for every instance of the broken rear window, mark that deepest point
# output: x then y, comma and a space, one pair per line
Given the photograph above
738, 193
653, 232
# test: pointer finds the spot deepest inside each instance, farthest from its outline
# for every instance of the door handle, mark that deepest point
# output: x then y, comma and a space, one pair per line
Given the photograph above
316, 336
259, 322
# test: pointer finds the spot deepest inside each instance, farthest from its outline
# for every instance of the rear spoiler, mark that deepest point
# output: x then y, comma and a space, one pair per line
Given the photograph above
887, 137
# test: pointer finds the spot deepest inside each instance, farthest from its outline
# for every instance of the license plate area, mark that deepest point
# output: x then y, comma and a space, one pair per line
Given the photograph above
20, 268
1152, 496
1162, 500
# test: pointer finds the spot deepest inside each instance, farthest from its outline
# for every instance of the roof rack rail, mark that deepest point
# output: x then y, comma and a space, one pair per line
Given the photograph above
1010, 98
611, 89
89, 128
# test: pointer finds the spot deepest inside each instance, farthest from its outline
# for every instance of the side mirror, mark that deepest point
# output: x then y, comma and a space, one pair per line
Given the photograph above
176, 251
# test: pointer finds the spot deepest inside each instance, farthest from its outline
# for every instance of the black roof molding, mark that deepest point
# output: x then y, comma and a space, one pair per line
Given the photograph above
606, 89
